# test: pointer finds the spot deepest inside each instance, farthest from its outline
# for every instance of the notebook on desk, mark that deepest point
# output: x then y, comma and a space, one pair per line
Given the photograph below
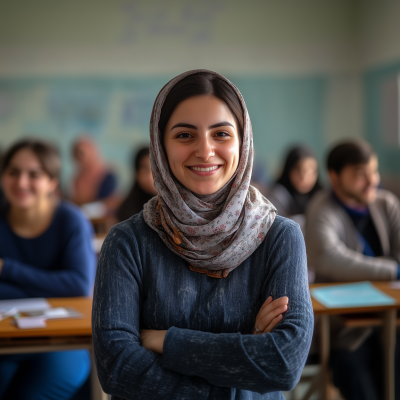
361, 294
24, 305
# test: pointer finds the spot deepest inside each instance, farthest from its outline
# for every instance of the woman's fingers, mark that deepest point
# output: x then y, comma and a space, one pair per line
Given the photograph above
272, 306
266, 302
270, 314
273, 323
266, 320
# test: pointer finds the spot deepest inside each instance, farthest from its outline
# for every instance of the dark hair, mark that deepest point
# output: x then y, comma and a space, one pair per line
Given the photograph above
352, 152
139, 155
294, 155
202, 83
47, 154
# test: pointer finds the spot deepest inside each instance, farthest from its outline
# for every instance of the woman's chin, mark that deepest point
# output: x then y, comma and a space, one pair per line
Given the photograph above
204, 189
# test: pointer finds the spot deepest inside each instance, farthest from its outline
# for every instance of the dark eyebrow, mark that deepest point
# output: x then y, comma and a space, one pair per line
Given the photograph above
225, 123
183, 125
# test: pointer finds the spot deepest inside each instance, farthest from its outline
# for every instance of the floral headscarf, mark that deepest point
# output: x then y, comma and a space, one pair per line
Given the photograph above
214, 233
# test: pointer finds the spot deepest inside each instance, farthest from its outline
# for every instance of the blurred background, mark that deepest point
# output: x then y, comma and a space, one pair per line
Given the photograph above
310, 71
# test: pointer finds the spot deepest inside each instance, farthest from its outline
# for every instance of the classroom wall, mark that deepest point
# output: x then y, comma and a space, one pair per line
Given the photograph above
379, 31
138, 37
96, 67
379, 28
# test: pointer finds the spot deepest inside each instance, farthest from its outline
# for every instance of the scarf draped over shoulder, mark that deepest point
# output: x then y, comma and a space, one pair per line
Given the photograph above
214, 233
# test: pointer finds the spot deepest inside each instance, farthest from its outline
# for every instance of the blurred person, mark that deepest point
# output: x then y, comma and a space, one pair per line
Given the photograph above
93, 181
297, 184
143, 188
353, 234
191, 295
45, 251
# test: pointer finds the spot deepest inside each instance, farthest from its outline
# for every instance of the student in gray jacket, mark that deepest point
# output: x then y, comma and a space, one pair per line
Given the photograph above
353, 234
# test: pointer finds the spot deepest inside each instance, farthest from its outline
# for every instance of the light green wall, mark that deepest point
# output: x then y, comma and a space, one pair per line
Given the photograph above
96, 67
158, 37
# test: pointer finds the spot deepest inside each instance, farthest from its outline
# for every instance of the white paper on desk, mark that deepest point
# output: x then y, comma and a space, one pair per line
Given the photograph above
56, 313
394, 285
24, 305
30, 323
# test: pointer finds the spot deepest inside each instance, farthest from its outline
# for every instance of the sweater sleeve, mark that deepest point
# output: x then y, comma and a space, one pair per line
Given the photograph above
260, 363
74, 277
333, 259
8, 291
125, 368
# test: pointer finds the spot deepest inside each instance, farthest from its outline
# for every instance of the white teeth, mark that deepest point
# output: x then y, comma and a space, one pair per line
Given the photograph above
204, 169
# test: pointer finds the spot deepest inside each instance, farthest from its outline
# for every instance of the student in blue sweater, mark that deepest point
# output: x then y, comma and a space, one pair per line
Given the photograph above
45, 251
204, 295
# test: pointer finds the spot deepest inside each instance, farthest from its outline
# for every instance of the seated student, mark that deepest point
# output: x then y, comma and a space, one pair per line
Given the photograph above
142, 190
45, 251
94, 181
353, 234
296, 185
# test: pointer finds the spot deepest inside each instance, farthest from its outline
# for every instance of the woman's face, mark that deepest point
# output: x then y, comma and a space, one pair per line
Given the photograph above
202, 144
304, 175
25, 183
85, 154
144, 176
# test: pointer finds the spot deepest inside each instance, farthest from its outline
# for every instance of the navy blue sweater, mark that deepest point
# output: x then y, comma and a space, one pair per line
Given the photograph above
209, 351
59, 263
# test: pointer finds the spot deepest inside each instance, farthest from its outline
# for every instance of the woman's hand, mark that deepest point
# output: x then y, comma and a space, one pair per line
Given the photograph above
153, 340
270, 314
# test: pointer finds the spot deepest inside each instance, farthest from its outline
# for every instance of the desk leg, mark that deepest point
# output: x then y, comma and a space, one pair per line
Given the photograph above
97, 391
324, 355
389, 342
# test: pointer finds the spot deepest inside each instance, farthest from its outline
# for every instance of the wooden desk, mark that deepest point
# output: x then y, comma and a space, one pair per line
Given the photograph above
389, 334
103, 225
59, 335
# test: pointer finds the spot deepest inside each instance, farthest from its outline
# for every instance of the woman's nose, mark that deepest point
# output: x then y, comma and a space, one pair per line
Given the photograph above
22, 180
204, 149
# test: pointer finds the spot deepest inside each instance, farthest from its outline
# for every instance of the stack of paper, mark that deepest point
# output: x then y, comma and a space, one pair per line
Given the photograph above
38, 310
24, 305
361, 294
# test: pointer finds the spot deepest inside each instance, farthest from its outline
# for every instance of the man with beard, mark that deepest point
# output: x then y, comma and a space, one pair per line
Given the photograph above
353, 234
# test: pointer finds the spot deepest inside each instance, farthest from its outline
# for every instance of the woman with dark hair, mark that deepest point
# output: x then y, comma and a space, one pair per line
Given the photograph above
142, 190
45, 251
191, 295
297, 183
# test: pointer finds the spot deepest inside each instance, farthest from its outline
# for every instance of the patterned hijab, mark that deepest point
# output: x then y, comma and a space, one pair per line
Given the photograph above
214, 233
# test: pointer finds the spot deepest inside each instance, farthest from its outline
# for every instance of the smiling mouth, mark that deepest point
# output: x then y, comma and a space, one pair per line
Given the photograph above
204, 169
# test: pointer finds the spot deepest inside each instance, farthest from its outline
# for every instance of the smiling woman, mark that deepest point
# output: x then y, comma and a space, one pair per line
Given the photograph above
163, 325
203, 152
45, 251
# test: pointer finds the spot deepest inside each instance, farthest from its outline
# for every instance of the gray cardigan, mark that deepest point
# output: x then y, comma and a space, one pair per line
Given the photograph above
333, 248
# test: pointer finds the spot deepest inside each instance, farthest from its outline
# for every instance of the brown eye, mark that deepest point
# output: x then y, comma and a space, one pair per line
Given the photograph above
184, 135
13, 172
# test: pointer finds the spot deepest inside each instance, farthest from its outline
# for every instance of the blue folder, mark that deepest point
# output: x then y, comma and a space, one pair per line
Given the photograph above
361, 294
